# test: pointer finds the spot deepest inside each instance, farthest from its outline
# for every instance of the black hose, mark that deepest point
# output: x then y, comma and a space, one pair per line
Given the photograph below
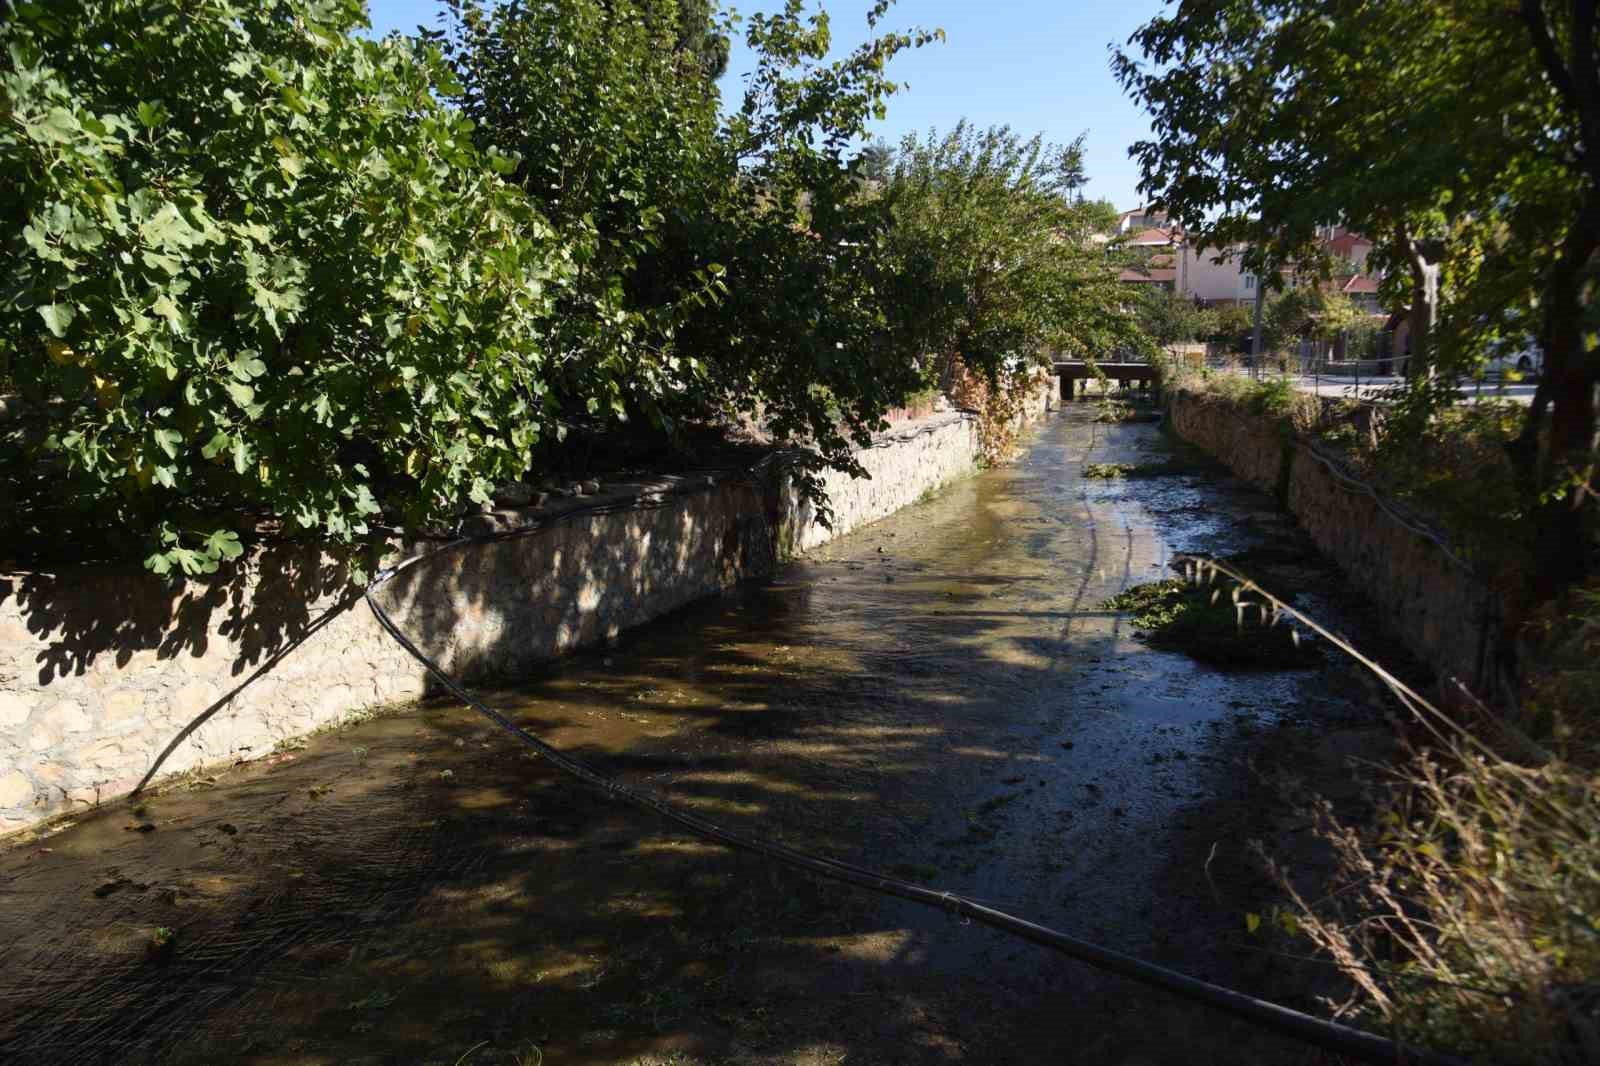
1345, 1040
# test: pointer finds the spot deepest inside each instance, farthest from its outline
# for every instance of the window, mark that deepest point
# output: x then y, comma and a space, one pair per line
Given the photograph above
1249, 282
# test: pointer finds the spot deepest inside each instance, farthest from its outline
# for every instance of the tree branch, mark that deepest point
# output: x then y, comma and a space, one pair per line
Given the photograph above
1585, 76
1533, 15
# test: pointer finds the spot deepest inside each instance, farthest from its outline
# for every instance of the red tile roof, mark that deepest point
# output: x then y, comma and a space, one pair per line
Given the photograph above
1151, 236
1154, 274
1345, 244
1360, 284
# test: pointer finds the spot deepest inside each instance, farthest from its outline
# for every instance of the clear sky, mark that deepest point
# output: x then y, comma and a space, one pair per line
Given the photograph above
1040, 66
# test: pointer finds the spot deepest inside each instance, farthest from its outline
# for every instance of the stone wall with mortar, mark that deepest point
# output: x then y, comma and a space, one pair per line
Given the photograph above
1449, 617
109, 678
1252, 447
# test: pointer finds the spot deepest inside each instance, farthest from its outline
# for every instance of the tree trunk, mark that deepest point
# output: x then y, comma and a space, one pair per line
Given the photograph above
1424, 255
1562, 476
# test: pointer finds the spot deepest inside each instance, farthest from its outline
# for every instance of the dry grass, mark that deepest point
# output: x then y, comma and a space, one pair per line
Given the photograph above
1468, 917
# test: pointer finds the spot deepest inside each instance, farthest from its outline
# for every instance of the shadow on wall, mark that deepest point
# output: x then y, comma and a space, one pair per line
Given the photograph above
260, 608
497, 609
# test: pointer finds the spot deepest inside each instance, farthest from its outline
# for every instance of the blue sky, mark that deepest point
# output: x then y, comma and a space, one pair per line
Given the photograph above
1040, 66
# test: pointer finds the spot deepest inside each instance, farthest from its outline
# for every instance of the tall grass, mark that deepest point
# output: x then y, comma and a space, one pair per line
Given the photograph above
1468, 916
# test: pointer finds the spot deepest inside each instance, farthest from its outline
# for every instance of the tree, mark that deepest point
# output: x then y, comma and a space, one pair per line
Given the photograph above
615, 130
726, 262
1103, 215
802, 334
875, 160
1458, 135
1566, 39
989, 257
988, 266
254, 269
701, 35
1168, 318
1232, 327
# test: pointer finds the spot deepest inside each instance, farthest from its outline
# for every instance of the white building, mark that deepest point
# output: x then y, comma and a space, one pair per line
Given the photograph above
1202, 277
1216, 276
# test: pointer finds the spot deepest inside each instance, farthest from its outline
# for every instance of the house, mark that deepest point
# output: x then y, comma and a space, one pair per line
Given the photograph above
1343, 244
1146, 230
1217, 283
1362, 289
1216, 277
1158, 273
1141, 218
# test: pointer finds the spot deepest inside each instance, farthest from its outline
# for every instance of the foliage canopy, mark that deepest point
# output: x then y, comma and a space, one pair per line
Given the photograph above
266, 276
1460, 135
254, 263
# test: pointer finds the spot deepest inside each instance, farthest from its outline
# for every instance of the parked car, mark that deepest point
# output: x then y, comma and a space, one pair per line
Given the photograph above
1525, 357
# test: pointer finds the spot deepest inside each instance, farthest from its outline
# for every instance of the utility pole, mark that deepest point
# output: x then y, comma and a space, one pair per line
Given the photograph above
1255, 330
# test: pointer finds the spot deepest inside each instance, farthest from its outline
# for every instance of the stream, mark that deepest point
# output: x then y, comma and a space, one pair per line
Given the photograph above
941, 694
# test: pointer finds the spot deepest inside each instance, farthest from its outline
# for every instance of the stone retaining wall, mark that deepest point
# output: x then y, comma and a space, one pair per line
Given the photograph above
109, 678
1450, 618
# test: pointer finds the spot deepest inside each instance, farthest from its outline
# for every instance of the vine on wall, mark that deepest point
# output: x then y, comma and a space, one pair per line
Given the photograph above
999, 405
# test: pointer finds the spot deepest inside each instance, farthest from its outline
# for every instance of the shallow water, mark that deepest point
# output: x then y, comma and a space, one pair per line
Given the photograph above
939, 694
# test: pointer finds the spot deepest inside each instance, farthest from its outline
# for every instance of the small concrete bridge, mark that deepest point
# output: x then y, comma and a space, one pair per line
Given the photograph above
1072, 371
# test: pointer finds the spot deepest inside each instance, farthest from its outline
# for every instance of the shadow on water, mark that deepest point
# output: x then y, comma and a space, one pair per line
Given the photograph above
939, 695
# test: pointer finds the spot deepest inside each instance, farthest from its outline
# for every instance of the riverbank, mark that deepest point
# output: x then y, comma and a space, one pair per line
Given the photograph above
940, 694
1440, 607
109, 679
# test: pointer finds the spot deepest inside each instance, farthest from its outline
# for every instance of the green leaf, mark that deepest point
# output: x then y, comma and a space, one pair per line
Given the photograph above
224, 543
247, 365
58, 126
168, 441
57, 317
169, 311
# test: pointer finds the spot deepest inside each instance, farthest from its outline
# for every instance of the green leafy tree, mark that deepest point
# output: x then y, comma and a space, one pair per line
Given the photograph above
1232, 326
800, 337
622, 144
990, 258
1460, 135
1103, 216
615, 130
255, 269
875, 161
1169, 318
702, 35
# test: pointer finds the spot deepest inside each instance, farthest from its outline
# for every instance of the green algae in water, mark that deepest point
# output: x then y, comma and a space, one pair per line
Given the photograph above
1116, 470
1204, 623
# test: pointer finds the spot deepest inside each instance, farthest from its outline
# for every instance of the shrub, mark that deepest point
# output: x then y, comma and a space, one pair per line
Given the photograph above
1468, 917
1453, 465
1203, 623
254, 264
